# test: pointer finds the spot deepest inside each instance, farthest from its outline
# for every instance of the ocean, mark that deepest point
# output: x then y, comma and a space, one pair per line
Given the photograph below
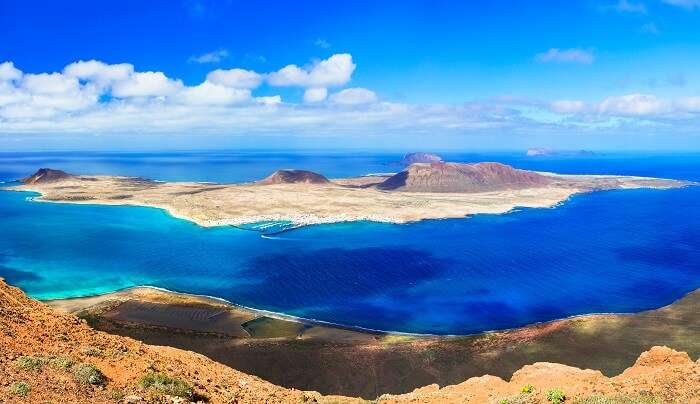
613, 251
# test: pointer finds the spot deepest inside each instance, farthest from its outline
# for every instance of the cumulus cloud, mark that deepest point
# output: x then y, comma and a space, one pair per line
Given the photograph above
209, 93
50, 83
574, 55
209, 57
146, 84
315, 94
334, 71
353, 96
95, 97
99, 72
269, 100
9, 72
237, 78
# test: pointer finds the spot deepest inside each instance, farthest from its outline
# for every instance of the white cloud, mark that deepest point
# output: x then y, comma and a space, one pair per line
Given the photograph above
315, 94
353, 96
146, 84
210, 57
208, 93
9, 72
634, 105
99, 72
573, 55
687, 4
94, 97
334, 71
237, 78
568, 106
50, 83
269, 100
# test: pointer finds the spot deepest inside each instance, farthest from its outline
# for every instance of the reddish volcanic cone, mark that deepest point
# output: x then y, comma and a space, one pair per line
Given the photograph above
457, 177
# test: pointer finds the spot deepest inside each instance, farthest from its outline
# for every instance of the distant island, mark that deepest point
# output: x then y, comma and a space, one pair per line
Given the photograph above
421, 191
420, 157
541, 151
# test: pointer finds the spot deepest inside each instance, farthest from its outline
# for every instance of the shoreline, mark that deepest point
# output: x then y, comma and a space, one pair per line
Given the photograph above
102, 297
335, 360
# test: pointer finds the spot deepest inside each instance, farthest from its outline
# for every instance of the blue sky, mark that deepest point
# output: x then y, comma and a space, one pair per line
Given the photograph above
503, 74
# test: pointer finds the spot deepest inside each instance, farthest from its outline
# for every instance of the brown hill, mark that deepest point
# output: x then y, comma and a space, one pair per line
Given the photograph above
294, 177
46, 175
48, 356
457, 177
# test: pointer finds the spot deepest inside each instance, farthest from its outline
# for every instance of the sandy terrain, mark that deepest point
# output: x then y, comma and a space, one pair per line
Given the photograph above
337, 361
302, 203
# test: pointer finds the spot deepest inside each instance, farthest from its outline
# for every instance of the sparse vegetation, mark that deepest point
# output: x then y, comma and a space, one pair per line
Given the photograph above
92, 351
62, 362
527, 389
618, 399
163, 384
117, 394
90, 318
519, 399
19, 389
556, 396
87, 373
31, 363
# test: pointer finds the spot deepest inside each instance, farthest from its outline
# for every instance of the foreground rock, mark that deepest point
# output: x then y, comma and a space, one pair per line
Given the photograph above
46, 176
294, 177
462, 178
420, 157
44, 356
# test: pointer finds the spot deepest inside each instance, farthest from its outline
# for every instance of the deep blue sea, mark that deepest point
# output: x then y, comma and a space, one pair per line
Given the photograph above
614, 251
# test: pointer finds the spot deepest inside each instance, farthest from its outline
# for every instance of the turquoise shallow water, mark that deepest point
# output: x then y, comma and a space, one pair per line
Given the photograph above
616, 251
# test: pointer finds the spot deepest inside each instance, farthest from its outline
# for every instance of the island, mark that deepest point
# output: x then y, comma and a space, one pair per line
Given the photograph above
422, 191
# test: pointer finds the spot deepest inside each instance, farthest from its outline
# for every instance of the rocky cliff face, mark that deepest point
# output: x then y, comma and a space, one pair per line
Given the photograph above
48, 356
457, 177
294, 177
46, 175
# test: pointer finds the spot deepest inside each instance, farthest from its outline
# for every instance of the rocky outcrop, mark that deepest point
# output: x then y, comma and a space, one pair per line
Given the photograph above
420, 157
294, 177
45, 176
465, 178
